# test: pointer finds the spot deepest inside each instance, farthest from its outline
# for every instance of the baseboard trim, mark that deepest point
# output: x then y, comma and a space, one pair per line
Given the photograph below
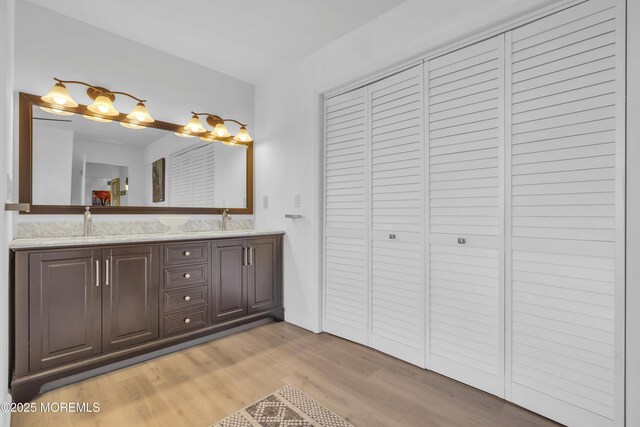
148, 356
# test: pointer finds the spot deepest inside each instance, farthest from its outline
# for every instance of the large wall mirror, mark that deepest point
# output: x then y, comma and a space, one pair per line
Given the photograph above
68, 162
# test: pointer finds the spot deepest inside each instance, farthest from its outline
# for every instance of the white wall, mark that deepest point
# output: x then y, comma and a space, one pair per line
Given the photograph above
77, 51
633, 213
288, 111
231, 176
53, 156
6, 155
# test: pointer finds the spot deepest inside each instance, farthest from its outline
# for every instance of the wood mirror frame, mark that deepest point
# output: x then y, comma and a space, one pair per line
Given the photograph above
25, 169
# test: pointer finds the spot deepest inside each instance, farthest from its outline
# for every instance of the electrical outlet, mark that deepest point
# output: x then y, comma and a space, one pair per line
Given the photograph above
265, 202
296, 200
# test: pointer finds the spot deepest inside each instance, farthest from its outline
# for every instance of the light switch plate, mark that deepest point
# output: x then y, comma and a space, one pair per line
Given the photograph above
265, 202
296, 200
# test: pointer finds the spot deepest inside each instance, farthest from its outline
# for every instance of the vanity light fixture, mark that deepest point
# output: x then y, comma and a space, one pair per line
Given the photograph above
97, 119
195, 125
243, 135
219, 132
57, 111
102, 104
59, 95
59, 100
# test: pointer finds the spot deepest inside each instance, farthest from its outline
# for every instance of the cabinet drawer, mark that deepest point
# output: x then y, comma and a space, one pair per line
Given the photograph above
185, 253
188, 275
184, 298
185, 320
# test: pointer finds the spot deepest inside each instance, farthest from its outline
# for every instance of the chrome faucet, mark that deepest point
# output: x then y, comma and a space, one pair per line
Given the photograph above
225, 219
87, 222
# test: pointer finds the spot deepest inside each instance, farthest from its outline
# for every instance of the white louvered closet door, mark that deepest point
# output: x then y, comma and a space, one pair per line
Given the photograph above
564, 240
397, 216
466, 139
346, 290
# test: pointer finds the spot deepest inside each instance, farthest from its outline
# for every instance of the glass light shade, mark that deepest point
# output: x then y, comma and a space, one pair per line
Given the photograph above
103, 105
140, 114
131, 125
183, 135
57, 111
243, 135
59, 95
209, 137
96, 119
195, 125
230, 142
221, 131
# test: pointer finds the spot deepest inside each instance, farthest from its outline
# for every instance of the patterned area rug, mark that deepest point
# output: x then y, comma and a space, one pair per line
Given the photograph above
287, 407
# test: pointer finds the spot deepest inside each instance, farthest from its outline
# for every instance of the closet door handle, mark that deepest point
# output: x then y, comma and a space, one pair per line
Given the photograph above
106, 282
97, 273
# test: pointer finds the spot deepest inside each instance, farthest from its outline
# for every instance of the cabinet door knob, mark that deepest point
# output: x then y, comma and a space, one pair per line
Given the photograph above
187, 320
187, 275
187, 253
187, 298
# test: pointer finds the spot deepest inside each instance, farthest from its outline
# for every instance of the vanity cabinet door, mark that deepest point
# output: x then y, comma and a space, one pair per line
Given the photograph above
64, 307
130, 296
262, 274
229, 284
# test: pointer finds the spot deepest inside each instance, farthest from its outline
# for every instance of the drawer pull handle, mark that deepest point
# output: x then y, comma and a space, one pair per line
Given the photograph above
187, 275
187, 298
187, 253
187, 320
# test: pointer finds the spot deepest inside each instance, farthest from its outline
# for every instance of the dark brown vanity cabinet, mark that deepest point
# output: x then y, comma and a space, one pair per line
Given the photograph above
77, 309
229, 284
245, 277
64, 313
262, 270
129, 296
85, 302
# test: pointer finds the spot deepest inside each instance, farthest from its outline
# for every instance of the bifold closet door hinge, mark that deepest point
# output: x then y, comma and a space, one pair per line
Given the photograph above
20, 207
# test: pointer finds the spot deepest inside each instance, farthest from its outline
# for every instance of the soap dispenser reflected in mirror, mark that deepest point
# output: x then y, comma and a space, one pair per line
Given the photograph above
225, 219
87, 222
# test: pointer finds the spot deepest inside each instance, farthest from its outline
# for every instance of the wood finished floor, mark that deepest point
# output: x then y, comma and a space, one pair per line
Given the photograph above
203, 384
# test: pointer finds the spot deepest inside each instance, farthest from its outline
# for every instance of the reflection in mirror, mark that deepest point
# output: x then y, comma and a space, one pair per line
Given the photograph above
82, 162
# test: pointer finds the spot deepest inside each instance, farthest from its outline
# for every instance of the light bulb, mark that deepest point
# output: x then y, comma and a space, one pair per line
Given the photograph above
183, 135
96, 118
209, 137
131, 125
59, 95
194, 125
221, 131
103, 105
243, 135
57, 111
140, 114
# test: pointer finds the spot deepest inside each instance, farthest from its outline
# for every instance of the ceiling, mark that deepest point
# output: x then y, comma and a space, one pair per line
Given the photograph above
106, 133
246, 39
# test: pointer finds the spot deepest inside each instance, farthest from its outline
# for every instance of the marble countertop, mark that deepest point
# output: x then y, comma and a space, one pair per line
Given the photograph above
36, 243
